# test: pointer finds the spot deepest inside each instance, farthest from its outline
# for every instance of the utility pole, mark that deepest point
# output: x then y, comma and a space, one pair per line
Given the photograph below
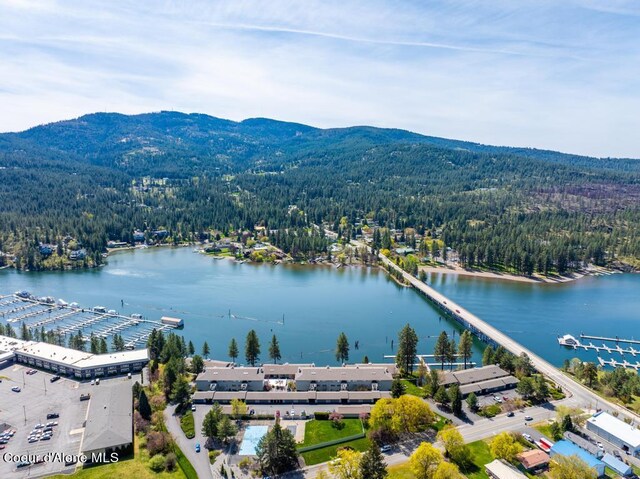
24, 410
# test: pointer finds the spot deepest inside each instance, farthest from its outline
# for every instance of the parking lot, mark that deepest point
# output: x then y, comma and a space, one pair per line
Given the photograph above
23, 410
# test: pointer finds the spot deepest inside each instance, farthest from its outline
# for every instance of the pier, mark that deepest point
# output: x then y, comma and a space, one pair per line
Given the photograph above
63, 319
619, 364
613, 340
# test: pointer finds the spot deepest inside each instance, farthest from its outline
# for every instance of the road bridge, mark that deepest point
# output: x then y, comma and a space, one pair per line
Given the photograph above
580, 395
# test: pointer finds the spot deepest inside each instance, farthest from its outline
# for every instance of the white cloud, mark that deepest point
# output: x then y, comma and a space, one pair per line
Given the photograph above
531, 73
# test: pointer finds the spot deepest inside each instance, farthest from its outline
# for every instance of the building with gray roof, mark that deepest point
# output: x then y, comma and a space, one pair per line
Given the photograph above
109, 425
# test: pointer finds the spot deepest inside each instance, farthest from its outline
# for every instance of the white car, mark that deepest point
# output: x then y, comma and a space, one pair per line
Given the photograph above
527, 437
600, 446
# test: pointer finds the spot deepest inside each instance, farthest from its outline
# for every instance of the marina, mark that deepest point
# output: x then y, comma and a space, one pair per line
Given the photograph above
43, 315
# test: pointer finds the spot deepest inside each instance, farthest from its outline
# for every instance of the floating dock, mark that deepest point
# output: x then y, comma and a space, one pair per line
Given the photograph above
63, 320
614, 340
619, 364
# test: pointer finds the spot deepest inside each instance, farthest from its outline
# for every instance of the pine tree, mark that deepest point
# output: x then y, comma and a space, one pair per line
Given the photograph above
192, 349
252, 348
274, 350
442, 348
397, 389
233, 350
205, 349
277, 451
455, 399
407, 349
143, 405
465, 347
372, 465
488, 356
342, 348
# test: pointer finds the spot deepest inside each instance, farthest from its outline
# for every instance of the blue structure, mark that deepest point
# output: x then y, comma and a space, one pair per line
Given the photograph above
566, 448
617, 465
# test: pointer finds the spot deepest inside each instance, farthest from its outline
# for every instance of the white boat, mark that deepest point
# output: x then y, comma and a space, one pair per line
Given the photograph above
568, 341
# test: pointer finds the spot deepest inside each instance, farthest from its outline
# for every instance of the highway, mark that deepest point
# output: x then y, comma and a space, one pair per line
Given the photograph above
578, 395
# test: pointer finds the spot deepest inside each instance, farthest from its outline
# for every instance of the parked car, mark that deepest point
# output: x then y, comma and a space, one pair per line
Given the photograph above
193, 407
617, 454
16, 389
600, 446
54, 379
528, 418
527, 437
385, 448
53, 415
511, 414
197, 447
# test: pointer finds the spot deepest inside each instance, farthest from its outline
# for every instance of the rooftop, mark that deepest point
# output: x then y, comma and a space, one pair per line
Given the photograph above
566, 448
81, 359
503, 470
533, 458
614, 426
109, 419
474, 375
358, 373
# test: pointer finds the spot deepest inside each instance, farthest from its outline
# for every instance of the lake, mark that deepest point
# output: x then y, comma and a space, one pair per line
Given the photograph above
221, 299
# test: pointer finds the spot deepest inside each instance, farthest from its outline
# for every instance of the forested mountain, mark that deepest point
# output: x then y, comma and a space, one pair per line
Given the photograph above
102, 176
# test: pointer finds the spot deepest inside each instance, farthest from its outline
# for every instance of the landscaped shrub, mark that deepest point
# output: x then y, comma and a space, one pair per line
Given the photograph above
156, 463
321, 416
170, 462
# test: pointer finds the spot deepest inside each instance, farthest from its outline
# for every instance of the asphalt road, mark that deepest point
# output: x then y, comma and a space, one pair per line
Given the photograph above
199, 460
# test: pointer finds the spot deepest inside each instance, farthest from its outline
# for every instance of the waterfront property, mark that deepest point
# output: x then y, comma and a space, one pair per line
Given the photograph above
617, 432
296, 384
109, 427
482, 380
71, 362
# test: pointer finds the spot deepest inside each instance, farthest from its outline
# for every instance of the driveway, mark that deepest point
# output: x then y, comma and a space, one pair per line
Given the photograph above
199, 460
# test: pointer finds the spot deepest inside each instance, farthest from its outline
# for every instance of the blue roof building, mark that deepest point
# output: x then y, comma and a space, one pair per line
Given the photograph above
617, 465
566, 448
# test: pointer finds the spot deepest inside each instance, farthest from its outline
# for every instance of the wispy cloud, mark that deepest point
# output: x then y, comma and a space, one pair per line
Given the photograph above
562, 75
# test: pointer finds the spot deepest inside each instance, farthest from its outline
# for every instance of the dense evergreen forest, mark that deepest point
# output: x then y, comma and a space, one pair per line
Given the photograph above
78, 184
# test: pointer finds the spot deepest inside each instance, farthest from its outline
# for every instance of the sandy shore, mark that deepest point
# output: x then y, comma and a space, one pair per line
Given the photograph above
454, 269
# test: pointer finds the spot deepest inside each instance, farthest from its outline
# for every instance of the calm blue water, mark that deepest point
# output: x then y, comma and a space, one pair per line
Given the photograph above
317, 302
535, 314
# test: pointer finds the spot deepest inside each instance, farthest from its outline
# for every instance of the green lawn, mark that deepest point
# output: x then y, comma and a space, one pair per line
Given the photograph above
440, 423
317, 432
327, 453
411, 388
132, 467
544, 428
187, 424
480, 455
401, 471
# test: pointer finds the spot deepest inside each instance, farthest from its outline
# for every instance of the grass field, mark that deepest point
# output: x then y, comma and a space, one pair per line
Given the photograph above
136, 466
327, 453
480, 455
316, 432
401, 471
411, 388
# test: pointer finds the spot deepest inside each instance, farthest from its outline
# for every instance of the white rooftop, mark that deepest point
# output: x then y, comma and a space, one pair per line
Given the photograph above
503, 470
68, 356
620, 429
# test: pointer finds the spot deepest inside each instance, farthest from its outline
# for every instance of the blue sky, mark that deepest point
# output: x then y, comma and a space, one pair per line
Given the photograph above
562, 75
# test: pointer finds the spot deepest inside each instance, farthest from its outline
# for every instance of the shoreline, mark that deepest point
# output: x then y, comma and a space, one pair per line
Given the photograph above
535, 279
